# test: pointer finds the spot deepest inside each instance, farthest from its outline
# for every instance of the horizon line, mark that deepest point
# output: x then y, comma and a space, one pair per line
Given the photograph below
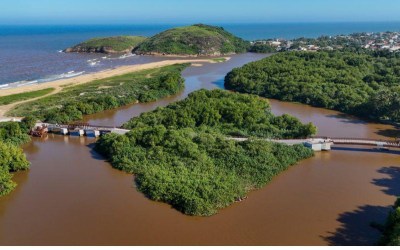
194, 22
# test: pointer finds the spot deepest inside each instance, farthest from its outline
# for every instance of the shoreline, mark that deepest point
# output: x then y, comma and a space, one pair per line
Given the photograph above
85, 78
199, 56
60, 84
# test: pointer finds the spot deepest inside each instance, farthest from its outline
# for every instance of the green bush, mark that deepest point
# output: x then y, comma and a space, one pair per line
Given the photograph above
12, 158
74, 102
14, 133
360, 83
229, 113
180, 154
262, 48
391, 232
198, 39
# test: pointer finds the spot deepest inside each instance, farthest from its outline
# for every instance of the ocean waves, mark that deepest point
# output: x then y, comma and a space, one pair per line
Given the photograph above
49, 78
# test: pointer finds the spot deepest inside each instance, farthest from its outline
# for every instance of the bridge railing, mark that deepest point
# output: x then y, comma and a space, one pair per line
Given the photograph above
355, 139
86, 126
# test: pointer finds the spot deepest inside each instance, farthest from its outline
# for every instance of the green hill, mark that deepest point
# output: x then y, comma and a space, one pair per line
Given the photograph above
198, 39
108, 45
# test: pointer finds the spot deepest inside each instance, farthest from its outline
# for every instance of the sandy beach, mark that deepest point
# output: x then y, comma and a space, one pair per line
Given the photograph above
101, 75
82, 79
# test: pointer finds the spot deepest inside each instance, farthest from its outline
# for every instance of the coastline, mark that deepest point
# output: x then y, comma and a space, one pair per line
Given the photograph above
85, 78
60, 84
186, 55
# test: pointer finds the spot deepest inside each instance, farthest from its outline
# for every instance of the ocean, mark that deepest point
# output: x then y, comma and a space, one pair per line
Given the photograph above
31, 54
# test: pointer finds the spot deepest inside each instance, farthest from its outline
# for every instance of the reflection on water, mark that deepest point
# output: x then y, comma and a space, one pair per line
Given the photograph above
353, 224
72, 196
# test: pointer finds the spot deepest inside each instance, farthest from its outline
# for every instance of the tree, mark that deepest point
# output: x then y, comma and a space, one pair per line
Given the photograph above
12, 159
28, 122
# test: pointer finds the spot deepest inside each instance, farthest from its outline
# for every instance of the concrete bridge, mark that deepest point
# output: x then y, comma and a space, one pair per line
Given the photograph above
79, 129
320, 143
325, 143
366, 142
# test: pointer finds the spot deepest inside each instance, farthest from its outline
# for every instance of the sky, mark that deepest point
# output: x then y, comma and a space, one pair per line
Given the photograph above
190, 11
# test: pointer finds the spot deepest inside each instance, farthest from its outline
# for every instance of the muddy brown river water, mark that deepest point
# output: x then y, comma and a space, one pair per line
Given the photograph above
72, 196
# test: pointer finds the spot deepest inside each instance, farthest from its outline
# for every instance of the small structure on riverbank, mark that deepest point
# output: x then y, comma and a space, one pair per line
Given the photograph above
39, 131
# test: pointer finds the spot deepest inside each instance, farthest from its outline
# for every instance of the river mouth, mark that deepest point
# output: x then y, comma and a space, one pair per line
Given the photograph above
72, 196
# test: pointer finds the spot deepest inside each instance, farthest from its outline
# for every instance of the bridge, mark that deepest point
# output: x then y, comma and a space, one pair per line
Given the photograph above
320, 143
78, 129
325, 143
366, 142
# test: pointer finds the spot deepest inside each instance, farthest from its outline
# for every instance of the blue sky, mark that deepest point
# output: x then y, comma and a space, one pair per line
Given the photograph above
190, 11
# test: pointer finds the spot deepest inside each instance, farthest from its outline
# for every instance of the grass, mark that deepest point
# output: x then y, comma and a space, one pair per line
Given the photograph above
219, 60
73, 102
193, 40
118, 43
9, 99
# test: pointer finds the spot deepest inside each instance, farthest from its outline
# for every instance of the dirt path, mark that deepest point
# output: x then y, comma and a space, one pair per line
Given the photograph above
5, 108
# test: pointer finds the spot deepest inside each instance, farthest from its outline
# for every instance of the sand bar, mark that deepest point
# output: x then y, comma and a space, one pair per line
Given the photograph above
99, 75
86, 78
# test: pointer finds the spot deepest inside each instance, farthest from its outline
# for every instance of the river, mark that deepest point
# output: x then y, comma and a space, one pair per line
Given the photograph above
72, 196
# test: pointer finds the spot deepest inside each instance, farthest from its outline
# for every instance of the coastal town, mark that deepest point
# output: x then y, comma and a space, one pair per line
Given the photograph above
374, 41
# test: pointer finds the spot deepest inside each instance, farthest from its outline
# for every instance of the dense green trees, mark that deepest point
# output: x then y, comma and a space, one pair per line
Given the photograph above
361, 83
225, 112
262, 48
391, 230
14, 132
180, 154
12, 158
74, 102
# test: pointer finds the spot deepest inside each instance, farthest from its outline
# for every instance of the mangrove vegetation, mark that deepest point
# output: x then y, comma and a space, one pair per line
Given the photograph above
359, 82
391, 229
183, 155
12, 158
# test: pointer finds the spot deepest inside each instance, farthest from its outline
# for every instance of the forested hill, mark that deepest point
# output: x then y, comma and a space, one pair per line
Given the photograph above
361, 83
108, 45
194, 40
198, 39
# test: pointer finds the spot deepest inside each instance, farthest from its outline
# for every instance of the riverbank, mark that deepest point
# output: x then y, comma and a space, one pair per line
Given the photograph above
75, 101
102, 74
59, 85
336, 194
206, 171
346, 81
